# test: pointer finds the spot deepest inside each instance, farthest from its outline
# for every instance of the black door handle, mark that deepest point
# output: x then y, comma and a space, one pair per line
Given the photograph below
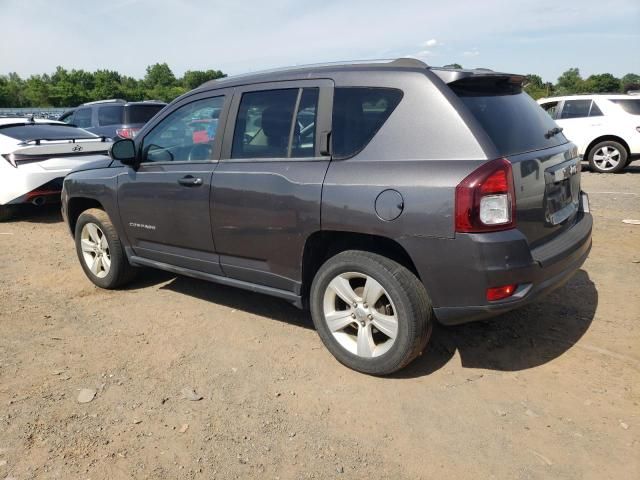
190, 181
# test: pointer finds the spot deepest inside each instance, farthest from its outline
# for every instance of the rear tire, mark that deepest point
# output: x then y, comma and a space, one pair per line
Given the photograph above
100, 251
376, 339
6, 212
608, 157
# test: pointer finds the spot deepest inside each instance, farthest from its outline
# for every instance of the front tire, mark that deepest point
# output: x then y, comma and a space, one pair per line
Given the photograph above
100, 251
372, 314
608, 157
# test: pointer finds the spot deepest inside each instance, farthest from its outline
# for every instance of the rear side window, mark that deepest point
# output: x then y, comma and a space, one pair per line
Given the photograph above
630, 106
575, 109
268, 124
45, 132
141, 113
111, 115
512, 119
595, 110
358, 113
551, 108
82, 118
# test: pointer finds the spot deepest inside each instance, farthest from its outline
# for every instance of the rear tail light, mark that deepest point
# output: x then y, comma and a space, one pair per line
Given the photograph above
127, 132
499, 293
486, 199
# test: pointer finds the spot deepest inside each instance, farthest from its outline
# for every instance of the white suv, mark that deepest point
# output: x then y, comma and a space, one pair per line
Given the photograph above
605, 127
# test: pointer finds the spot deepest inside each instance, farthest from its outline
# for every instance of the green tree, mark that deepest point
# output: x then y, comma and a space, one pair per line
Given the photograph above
570, 82
631, 81
602, 83
194, 78
107, 84
535, 87
36, 90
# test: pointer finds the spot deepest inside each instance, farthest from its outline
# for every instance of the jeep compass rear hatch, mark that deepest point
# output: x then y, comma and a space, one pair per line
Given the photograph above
545, 165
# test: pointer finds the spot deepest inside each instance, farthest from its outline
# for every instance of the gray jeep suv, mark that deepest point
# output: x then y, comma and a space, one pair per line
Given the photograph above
382, 196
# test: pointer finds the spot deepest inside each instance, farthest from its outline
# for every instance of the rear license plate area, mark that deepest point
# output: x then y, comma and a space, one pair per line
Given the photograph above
562, 191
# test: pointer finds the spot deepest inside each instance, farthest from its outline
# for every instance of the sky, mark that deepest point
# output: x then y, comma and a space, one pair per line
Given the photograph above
545, 37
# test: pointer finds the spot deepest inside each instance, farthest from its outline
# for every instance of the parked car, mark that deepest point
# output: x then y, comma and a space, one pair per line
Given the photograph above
115, 118
605, 127
382, 196
31, 168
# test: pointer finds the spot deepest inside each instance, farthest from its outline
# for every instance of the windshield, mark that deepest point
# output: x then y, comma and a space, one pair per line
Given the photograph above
44, 131
631, 106
512, 119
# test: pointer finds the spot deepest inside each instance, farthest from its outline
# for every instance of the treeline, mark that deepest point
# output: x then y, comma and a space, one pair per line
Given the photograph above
69, 88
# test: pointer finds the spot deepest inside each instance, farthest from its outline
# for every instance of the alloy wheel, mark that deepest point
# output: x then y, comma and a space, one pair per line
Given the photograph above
360, 314
95, 250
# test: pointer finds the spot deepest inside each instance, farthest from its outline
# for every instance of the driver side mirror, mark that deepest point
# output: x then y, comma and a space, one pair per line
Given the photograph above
124, 150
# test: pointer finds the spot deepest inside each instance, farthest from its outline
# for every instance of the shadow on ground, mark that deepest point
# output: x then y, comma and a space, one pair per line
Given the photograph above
49, 213
518, 340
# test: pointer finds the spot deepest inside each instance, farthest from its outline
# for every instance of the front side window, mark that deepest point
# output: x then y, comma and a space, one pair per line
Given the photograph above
358, 113
575, 109
82, 118
266, 126
111, 115
187, 134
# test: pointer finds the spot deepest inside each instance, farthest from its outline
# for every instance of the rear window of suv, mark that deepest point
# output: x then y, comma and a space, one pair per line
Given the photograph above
141, 113
358, 113
512, 119
629, 106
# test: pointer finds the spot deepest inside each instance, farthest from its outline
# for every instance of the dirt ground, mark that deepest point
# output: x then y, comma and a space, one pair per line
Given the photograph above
550, 391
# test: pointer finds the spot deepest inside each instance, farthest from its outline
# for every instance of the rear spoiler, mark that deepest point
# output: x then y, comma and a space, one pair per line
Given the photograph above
62, 140
451, 75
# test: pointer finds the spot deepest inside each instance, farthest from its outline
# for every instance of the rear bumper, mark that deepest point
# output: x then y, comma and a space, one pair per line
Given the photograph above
471, 263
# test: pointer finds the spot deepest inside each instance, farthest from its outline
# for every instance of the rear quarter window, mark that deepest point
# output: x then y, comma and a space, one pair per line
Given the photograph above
511, 118
358, 113
631, 106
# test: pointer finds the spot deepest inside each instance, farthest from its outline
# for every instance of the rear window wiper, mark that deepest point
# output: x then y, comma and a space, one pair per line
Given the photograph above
552, 132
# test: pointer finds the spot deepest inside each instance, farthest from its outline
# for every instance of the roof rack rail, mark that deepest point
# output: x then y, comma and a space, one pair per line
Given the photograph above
400, 62
110, 100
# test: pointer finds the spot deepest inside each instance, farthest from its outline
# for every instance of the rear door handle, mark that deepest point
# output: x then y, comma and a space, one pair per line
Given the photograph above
190, 181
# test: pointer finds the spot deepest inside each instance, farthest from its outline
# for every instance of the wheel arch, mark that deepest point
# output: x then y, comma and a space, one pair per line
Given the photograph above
322, 245
76, 206
605, 138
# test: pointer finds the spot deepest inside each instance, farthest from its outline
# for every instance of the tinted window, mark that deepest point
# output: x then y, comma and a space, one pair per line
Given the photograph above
595, 110
512, 119
141, 113
263, 124
358, 113
187, 134
575, 109
45, 131
551, 108
111, 115
629, 106
82, 118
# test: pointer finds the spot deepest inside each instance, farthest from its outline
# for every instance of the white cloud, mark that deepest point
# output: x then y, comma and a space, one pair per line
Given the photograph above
431, 43
474, 52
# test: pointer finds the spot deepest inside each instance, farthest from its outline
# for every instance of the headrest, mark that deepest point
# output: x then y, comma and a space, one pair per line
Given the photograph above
276, 122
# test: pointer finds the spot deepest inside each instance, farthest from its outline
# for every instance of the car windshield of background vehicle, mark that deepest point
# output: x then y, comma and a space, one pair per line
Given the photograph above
49, 132
631, 106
